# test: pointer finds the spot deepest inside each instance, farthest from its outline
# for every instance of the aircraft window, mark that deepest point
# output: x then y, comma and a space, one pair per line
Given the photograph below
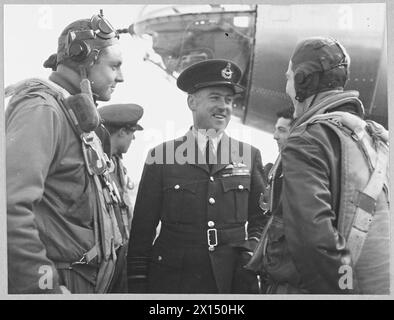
241, 22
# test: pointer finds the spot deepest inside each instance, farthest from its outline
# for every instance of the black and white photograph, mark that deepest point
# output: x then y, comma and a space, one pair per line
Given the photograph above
196, 150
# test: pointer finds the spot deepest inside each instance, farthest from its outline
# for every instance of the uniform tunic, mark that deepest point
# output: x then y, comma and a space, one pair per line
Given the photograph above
189, 199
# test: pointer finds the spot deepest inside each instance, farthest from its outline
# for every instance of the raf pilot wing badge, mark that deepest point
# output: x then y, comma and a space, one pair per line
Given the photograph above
236, 169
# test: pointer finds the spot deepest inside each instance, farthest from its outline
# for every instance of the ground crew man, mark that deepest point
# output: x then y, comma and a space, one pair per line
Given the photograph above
329, 226
62, 232
281, 132
204, 187
282, 126
120, 121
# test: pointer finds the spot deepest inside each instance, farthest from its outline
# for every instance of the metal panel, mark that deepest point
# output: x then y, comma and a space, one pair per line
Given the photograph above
359, 27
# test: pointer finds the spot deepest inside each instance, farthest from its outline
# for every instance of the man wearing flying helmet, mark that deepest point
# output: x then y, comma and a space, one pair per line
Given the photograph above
329, 230
62, 233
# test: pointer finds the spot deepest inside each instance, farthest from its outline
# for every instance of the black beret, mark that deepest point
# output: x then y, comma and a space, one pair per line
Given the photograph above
210, 73
119, 115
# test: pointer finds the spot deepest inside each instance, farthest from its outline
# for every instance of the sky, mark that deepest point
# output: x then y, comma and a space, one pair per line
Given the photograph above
30, 36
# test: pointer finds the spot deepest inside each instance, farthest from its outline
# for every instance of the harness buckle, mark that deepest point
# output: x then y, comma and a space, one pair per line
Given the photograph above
83, 260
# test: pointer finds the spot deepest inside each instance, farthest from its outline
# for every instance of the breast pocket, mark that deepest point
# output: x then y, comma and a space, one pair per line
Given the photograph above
179, 199
236, 196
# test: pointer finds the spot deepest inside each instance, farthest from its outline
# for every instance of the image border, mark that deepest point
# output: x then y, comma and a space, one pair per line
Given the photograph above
3, 233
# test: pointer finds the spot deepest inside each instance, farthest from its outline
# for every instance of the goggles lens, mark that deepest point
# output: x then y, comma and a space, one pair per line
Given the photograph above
102, 28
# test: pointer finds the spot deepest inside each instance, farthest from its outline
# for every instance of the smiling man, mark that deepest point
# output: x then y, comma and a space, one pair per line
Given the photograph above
208, 206
62, 233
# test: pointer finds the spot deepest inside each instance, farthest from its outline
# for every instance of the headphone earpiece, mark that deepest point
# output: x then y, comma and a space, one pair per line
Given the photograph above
303, 81
299, 77
302, 78
78, 50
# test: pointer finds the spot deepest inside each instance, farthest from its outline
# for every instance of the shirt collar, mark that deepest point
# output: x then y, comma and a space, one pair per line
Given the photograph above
202, 139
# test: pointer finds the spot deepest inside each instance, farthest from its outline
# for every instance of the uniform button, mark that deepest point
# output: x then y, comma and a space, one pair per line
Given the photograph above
211, 248
212, 179
159, 258
211, 200
240, 187
176, 187
211, 224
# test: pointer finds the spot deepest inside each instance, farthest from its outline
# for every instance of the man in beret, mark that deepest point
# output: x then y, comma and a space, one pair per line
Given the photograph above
120, 122
204, 188
62, 233
329, 229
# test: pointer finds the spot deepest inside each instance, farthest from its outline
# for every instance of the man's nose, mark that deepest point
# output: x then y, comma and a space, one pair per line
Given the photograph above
119, 76
225, 104
276, 136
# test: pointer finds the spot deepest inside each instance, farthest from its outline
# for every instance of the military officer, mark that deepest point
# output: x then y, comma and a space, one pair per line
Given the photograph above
120, 122
204, 188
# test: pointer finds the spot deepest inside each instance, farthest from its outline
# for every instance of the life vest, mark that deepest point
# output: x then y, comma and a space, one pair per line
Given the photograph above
106, 229
363, 217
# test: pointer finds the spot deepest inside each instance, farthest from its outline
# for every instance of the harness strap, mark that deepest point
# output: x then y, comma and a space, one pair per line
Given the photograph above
87, 257
124, 208
366, 202
376, 155
256, 261
106, 241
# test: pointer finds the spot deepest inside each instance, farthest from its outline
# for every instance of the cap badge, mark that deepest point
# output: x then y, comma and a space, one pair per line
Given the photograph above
227, 73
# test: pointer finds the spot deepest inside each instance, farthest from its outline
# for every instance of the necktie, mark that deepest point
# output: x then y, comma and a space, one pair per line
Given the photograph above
210, 156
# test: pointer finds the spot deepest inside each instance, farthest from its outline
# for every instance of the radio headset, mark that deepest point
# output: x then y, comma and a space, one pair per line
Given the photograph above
77, 48
81, 106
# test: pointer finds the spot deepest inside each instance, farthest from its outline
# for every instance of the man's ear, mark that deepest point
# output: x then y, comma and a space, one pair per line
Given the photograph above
191, 102
121, 132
